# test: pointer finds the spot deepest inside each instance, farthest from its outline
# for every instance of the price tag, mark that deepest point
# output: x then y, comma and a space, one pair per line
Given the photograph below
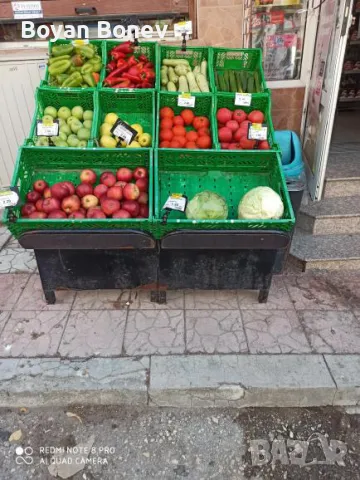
80, 41
243, 99
183, 27
9, 197
47, 129
176, 201
124, 131
186, 100
257, 131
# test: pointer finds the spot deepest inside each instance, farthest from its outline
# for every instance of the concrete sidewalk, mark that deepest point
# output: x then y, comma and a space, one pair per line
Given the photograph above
202, 348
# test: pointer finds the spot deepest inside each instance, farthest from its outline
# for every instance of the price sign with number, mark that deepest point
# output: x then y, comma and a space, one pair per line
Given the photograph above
243, 99
257, 131
183, 27
176, 201
9, 197
47, 129
186, 100
124, 131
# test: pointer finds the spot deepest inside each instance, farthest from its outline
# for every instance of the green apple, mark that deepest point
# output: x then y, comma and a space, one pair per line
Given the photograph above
83, 134
42, 142
77, 112
50, 111
82, 144
145, 140
70, 119
108, 142
60, 143
75, 126
88, 115
111, 118
65, 129
105, 129
47, 120
73, 140
62, 122
88, 124
64, 113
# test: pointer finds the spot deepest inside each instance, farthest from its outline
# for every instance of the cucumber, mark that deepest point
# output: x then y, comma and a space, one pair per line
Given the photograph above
222, 83
217, 83
251, 84
232, 81
238, 82
257, 82
243, 79
227, 80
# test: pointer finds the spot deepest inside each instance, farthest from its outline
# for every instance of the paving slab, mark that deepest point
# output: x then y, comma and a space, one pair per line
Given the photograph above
53, 381
4, 235
11, 286
240, 381
17, 260
345, 370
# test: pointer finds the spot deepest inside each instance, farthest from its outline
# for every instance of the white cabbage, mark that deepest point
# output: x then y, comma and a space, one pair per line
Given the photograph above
207, 205
261, 203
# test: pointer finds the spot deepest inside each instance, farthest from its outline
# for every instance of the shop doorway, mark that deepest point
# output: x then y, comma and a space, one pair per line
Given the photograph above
333, 27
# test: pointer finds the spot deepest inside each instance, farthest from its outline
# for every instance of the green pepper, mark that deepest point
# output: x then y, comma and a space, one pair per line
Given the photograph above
59, 67
96, 67
72, 69
89, 79
61, 78
87, 51
75, 80
58, 59
95, 59
60, 50
87, 68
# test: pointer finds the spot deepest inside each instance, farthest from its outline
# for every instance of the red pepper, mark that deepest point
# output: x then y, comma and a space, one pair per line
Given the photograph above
135, 70
117, 72
132, 61
149, 65
147, 74
125, 47
145, 84
111, 66
124, 84
118, 55
143, 58
110, 82
121, 62
134, 78
96, 77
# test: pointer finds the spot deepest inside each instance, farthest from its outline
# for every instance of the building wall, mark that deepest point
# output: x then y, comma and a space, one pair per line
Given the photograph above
287, 105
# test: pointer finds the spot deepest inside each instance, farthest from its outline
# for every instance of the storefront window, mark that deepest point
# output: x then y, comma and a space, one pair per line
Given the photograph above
278, 28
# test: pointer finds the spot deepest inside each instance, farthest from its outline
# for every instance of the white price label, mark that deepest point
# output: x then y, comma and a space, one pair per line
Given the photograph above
24, 10
176, 202
183, 27
186, 101
8, 198
47, 130
257, 131
124, 131
243, 99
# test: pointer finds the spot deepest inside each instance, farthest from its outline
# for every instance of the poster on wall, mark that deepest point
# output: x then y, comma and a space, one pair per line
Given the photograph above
280, 56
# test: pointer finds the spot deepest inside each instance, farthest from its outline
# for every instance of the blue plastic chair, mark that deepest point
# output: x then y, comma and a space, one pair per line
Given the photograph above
291, 153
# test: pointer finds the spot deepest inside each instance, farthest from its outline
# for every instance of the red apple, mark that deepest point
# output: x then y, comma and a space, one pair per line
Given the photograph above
36, 215
132, 207
120, 184
89, 201
140, 172
70, 186
95, 213
100, 190
115, 192
33, 196
110, 206
57, 214
131, 191
82, 210
39, 205
47, 192
76, 215
50, 204
143, 198
59, 191
124, 174
142, 184
121, 214
28, 209
88, 176
84, 189
144, 211
71, 204
40, 185
108, 179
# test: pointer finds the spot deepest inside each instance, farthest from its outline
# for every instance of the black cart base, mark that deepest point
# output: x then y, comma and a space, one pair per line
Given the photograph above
86, 260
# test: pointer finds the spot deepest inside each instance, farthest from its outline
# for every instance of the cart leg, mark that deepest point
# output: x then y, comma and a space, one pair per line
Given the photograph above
263, 295
50, 297
158, 296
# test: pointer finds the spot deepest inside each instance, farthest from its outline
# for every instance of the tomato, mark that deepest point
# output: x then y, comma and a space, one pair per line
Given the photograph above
204, 142
247, 144
167, 112
191, 136
203, 131
264, 145
256, 116
166, 135
239, 115
188, 116
225, 145
164, 144
242, 132
191, 145
201, 122
181, 140
174, 144
178, 120
234, 146
166, 123
223, 115
179, 131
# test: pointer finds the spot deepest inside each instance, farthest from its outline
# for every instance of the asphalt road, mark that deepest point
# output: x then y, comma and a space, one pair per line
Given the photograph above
112, 443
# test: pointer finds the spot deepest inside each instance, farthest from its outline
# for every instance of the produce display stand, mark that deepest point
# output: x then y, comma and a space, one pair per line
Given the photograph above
162, 251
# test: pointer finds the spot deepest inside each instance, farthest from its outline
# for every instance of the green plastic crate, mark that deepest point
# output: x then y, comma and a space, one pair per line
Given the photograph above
230, 174
55, 166
144, 48
248, 59
99, 46
195, 55
132, 107
58, 97
204, 106
260, 101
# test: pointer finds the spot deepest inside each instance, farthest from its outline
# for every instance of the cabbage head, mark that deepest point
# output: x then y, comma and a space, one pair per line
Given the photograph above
261, 203
207, 205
